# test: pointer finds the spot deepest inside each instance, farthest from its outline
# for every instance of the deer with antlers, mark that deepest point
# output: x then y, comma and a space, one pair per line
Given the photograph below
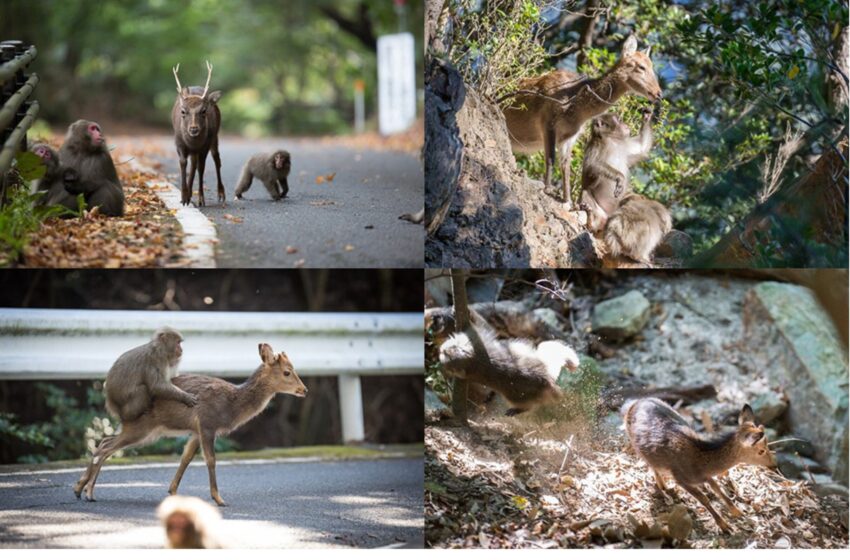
196, 119
549, 111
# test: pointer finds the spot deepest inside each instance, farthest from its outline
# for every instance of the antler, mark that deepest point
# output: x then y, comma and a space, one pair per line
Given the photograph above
648, 51
176, 69
209, 75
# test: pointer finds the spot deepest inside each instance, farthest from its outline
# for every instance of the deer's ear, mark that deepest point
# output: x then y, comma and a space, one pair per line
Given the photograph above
746, 415
266, 353
214, 96
630, 46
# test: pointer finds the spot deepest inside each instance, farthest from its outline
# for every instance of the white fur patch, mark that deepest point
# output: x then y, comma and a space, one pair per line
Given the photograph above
556, 355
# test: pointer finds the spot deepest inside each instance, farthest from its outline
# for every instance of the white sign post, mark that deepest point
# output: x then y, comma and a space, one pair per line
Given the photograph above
396, 83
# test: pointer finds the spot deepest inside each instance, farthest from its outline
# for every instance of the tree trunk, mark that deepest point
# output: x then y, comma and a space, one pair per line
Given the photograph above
588, 31
460, 387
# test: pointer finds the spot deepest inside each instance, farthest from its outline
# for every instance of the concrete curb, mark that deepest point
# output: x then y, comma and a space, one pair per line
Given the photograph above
199, 235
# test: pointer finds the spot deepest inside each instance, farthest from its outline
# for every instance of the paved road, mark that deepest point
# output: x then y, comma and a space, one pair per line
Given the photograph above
350, 222
270, 505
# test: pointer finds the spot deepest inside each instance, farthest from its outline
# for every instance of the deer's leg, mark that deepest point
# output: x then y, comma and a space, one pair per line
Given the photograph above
703, 499
202, 164
86, 476
188, 454
548, 155
217, 162
733, 509
566, 157
193, 163
659, 481
185, 190
104, 451
208, 447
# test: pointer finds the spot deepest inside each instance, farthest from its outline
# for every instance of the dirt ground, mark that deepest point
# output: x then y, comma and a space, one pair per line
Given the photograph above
530, 483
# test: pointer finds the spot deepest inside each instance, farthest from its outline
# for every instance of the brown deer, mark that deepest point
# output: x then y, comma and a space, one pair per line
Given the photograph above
549, 111
662, 438
196, 119
222, 407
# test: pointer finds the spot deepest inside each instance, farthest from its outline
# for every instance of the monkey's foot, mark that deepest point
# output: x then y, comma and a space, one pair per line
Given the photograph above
238, 197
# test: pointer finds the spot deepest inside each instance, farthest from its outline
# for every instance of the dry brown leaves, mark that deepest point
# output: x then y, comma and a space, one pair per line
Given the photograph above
146, 236
498, 487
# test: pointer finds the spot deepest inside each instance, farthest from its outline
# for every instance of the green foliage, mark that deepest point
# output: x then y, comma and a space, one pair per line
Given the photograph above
497, 44
297, 63
70, 421
11, 431
20, 217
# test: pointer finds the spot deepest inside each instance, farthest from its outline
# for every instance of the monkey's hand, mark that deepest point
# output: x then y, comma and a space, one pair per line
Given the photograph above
618, 187
190, 399
647, 113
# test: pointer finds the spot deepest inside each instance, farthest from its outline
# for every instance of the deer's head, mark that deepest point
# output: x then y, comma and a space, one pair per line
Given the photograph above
635, 69
752, 441
194, 105
278, 371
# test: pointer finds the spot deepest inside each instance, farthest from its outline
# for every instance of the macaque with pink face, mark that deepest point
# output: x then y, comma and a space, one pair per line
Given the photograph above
56, 179
85, 151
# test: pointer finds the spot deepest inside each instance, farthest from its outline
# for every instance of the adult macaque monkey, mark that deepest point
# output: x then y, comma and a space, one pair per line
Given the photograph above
144, 373
85, 152
271, 169
56, 179
610, 152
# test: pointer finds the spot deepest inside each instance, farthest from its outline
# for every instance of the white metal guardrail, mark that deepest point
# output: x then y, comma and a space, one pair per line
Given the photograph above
65, 344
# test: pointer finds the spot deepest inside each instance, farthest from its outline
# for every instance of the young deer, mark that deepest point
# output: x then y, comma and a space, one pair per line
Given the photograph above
549, 111
222, 407
662, 438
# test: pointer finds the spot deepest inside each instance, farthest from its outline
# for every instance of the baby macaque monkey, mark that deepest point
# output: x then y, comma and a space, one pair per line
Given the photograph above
271, 169
189, 522
144, 373
609, 154
525, 375
56, 179
636, 228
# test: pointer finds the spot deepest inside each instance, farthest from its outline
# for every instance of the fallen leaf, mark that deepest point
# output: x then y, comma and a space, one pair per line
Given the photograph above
290, 250
234, 219
299, 263
349, 247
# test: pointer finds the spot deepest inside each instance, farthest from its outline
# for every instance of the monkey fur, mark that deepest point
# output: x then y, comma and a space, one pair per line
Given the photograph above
144, 373
526, 376
610, 152
85, 152
56, 180
271, 169
189, 522
415, 218
636, 228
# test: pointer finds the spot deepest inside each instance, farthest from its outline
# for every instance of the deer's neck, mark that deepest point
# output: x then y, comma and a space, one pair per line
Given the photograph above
252, 396
717, 453
598, 95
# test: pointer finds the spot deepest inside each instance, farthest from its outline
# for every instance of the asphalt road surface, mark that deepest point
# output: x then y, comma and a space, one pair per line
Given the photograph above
376, 503
348, 222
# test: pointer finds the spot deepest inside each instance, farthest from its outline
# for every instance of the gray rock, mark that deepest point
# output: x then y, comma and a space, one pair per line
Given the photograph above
433, 403
583, 251
829, 489
621, 317
794, 466
677, 245
769, 407
549, 318
789, 333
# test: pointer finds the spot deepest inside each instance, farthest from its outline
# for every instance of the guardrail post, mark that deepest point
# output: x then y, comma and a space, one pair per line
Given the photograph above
20, 80
351, 408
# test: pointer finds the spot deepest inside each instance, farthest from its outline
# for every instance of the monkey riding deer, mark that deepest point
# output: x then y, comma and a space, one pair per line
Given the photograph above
271, 169
143, 374
196, 119
222, 407
525, 375
661, 437
85, 151
549, 111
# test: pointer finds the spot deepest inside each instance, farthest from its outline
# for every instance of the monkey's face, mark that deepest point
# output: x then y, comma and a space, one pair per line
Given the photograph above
95, 135
281, 160
44, 152
611, 126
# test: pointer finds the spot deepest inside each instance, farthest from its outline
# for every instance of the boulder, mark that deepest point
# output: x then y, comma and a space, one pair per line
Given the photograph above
769, 407
621, 317
675, 245
433, 404
795, 342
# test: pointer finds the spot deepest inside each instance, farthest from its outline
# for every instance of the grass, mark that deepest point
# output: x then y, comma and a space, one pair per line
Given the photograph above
317, 452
